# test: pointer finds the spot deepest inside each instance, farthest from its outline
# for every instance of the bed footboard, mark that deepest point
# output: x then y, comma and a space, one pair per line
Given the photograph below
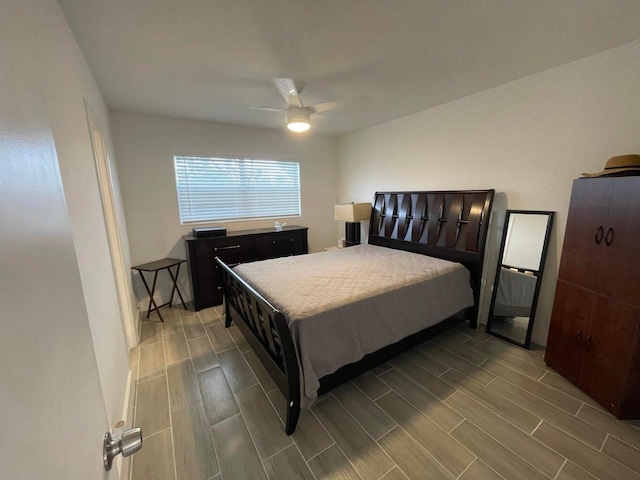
266, 330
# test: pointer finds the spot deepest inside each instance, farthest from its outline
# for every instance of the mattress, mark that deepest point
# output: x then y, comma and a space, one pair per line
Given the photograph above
343, 304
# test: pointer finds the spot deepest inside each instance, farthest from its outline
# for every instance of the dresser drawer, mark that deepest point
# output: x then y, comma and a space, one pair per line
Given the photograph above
209, 291
281, 244
231, 250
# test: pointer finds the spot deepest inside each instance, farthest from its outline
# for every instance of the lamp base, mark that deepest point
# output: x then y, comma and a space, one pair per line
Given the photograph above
352, 233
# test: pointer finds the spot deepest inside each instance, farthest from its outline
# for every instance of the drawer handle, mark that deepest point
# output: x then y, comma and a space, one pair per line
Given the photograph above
608, 239
275, 241
230, 247
599, 235
579, 337
587, 344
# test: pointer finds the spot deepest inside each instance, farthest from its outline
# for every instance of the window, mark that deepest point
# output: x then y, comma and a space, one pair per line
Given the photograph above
212, 189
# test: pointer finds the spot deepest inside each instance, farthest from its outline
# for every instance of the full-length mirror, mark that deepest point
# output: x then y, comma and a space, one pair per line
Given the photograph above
520, 265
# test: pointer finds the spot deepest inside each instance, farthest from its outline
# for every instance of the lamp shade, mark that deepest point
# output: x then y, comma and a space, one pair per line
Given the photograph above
352, 212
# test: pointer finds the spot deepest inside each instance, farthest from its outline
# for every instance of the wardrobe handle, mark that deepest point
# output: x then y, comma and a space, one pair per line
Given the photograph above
608, 239
599, 235
579, 337
587, 344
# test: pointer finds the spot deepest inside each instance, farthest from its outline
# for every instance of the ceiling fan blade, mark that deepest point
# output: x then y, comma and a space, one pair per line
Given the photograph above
325, 107
290, 90
268, 109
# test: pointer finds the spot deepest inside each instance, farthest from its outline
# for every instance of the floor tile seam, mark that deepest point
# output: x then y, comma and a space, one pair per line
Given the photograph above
515, 453
146, 380
563, 464
478, 459
444, 347
194, 338
454, 354
209, 428
530, 435
428, 418
218, 352
407, 400
377, 406
540, 419
498, 414
173, 447
319, 453
364, 429
253, 441
546, 385
613, 435
552, 406
490, 408
337, 445
540, 398
394, 466
427, 452
292, 444
591, 448
422, 368
576, 438
304, 459
506, 363
246, 386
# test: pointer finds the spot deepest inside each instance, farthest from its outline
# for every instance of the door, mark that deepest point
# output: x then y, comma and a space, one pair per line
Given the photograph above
608, 351
620, 259
585, 231
53, 414
568, 330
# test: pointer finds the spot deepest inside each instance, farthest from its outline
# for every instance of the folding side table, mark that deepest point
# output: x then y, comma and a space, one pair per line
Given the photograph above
155, 267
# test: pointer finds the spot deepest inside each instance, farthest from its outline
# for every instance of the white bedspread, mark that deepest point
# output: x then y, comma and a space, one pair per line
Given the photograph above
344, 304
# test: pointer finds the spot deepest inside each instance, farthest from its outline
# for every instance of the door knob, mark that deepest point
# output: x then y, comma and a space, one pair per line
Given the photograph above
129, 443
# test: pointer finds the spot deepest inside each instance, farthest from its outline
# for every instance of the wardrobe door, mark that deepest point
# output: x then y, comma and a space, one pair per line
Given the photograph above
620, 258
585, 231
609, 349
571, 309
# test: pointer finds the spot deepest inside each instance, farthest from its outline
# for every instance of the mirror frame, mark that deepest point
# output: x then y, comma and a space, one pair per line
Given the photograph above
543, 258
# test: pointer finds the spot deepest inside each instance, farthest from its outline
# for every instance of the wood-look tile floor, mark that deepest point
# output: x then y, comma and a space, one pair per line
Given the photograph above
464, 405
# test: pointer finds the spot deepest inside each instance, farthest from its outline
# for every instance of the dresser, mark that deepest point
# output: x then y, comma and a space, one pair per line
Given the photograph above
594, 336
236, 247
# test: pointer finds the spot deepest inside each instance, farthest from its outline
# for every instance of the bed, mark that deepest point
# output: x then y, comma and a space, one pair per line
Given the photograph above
318, 320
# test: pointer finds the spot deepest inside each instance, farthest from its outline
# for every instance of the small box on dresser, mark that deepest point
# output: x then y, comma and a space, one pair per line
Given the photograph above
236, 247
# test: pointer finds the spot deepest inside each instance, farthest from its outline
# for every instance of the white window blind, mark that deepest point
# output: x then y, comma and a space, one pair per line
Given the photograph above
212, 189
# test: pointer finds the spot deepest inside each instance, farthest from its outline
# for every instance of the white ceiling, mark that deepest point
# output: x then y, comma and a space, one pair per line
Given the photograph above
213, 60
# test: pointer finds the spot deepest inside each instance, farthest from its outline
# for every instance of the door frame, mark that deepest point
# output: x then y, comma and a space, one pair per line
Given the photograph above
114, 237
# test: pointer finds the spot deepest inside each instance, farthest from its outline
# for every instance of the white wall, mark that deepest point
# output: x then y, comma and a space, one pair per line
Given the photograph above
63, 361
527, 139
145, 146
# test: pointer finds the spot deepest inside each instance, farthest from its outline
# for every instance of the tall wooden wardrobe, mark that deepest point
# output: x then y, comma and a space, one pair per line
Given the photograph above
594, 337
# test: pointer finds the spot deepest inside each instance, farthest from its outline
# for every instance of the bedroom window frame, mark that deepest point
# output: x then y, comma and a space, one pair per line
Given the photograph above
213, 188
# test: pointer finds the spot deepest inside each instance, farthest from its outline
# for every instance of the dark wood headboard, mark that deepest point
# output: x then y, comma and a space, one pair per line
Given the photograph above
451, 225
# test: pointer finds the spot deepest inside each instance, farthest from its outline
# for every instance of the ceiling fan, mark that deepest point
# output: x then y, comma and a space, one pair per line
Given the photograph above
298, 114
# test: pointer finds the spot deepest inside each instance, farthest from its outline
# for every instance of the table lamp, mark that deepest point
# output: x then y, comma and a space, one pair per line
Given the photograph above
352, 214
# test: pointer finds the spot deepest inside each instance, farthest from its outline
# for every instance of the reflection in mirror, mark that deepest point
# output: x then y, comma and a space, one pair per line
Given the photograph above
520, 265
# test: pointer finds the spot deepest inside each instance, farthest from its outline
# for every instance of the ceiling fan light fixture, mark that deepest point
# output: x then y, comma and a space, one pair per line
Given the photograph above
298, 119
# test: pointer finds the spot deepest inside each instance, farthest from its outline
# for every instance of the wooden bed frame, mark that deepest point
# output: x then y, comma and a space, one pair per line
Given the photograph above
451, 225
